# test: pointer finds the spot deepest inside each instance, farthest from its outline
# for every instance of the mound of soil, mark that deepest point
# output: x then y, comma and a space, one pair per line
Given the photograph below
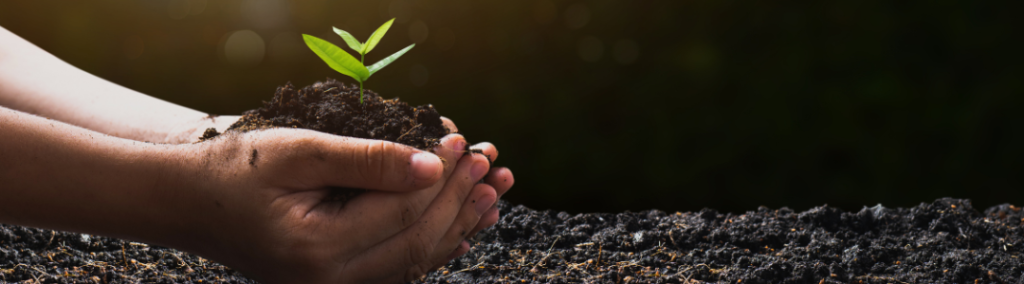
946, 241
334, 108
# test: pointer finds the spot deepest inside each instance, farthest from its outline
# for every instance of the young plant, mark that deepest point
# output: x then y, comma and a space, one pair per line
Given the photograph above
345, 63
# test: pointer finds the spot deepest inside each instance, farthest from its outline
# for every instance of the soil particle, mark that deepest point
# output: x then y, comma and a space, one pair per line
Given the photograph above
209, 134
253, 157
945, 241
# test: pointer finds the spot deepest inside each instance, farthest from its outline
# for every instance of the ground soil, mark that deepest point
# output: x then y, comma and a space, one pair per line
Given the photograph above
945, 241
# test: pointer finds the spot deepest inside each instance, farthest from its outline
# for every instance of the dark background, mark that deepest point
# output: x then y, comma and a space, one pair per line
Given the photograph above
601, 105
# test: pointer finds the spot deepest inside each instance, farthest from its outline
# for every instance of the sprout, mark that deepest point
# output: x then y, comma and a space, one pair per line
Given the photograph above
345, 63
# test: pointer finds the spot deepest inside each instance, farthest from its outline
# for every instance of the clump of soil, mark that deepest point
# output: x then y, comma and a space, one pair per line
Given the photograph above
334, 108
946, 241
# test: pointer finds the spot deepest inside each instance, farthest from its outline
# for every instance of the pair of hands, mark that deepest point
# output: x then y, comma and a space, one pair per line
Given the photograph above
260, 202
253, 201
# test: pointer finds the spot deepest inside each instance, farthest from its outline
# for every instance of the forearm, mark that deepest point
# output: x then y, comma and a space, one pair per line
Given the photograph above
58, 176
34, 81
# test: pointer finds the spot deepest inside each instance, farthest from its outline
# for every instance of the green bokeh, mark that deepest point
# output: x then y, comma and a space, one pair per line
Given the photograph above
727, 104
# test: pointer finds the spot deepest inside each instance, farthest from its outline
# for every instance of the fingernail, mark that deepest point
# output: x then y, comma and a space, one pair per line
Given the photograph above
478, 171
460, 145
484, 204
425, 165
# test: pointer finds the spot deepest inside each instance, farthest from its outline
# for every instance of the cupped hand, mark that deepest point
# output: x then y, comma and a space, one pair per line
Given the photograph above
259, 203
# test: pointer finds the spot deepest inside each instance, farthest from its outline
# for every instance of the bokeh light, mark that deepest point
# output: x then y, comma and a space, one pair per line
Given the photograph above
244, 48
418, 31
590, 48
577, 16
625, 51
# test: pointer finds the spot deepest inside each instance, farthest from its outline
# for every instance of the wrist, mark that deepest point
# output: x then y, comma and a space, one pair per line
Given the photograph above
174, 213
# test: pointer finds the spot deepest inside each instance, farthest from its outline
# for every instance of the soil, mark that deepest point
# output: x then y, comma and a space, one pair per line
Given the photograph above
334, 107
946, 241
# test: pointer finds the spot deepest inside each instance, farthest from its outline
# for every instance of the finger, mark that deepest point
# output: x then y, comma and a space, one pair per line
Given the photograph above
389, 212
479, 202
461, 250
488, 219
501, 179
451, 148
488, 150
313, 157
413, 249
448, 123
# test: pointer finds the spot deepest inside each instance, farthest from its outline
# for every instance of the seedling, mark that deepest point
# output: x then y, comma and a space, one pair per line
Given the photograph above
345, 63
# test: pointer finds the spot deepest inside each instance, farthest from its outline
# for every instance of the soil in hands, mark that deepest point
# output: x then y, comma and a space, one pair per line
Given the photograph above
333, 107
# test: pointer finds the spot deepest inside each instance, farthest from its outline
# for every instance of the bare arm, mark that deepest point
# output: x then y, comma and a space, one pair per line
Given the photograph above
59, 176
34, 81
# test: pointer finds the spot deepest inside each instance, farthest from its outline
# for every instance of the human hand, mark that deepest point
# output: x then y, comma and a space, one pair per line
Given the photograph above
257, 204
500, 179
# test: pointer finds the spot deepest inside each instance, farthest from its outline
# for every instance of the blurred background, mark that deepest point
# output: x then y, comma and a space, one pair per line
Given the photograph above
612, 105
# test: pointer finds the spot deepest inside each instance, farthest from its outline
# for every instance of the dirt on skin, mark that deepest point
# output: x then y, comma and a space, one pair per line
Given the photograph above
946, 241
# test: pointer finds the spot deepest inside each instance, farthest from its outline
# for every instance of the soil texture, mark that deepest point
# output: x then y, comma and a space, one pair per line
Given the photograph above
334, 108
945, 241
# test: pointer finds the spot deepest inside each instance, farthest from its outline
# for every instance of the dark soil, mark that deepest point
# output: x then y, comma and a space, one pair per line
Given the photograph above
946, 241
334, 108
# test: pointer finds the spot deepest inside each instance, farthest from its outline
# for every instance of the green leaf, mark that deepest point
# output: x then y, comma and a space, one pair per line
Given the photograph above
376, 36
387, 60
352, 42
336, 58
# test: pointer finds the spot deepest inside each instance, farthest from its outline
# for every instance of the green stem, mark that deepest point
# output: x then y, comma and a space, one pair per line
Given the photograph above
362, 58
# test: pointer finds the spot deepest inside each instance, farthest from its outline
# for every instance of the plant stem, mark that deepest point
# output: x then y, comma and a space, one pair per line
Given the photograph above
362, 58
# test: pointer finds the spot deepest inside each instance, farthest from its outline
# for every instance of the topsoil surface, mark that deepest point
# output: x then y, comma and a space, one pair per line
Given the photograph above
946, 241
334, 108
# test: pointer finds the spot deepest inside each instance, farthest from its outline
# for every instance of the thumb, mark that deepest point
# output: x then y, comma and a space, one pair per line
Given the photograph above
368, 164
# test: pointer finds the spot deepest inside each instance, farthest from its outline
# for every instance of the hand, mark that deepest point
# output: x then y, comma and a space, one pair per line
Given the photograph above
500, 179
257, 204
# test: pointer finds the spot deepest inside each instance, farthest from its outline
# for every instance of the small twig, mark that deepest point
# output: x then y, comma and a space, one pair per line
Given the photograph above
408, 131
124, 257
471, 267
549, 252
52, 234
181, 260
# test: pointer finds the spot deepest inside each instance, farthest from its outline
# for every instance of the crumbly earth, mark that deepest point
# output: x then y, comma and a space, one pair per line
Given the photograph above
946, 241
334, 108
